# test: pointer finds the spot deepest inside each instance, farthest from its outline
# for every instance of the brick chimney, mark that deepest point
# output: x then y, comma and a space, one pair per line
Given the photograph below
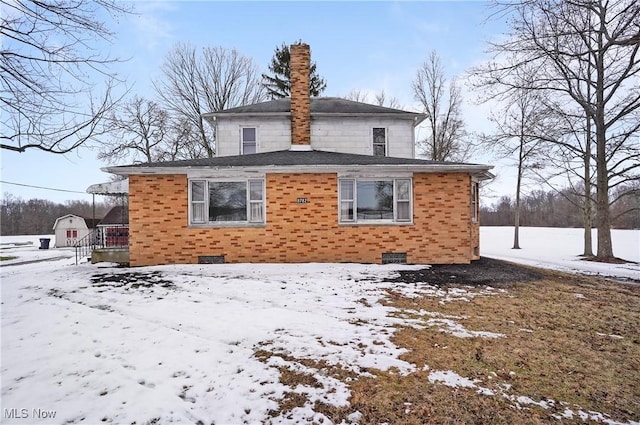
300, 103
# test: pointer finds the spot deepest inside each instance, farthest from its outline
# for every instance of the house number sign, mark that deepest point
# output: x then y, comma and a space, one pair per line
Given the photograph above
302, 201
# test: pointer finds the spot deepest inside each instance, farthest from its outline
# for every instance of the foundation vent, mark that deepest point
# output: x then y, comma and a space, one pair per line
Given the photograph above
211, 259
394, 258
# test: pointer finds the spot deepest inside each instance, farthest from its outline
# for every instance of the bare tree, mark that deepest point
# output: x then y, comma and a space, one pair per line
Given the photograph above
217, 79
380, 99
139, 133
50, 65
391, 102
574, 45
357, 96
442, 105
516, 125
569, 153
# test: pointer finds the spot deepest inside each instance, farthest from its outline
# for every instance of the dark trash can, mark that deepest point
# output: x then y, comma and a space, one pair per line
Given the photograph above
44, 243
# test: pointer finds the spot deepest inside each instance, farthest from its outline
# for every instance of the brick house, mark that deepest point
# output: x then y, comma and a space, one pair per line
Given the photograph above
305, 180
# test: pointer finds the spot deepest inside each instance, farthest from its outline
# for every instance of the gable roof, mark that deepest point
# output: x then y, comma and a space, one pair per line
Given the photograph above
320, 106
301, 161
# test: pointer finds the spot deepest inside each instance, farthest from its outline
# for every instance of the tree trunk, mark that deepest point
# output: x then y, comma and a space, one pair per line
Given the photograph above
516, 225
587, 221
605, 248
203, 138
586, 208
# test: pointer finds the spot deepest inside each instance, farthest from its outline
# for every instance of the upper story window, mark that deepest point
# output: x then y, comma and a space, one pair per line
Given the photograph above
369, 200
379, 141
249, 140
219, 202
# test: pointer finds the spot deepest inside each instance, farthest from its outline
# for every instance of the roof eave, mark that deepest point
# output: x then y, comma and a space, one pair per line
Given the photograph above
215, 115
481, 172
416, 117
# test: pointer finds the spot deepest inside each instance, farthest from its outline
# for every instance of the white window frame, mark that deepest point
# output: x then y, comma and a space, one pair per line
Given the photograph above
394, 221
475, 201
386, 141
396, 201
242, 143
352, 200
250, 221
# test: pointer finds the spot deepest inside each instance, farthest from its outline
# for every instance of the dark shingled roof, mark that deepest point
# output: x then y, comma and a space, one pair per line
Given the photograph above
319, 105
288, 158
116, 215
91, 222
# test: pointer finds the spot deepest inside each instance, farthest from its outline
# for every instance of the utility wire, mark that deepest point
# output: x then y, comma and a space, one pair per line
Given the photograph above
42, 187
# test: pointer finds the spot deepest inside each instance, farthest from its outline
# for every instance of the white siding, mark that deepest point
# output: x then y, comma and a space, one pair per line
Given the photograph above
335, 134
355, 135
273, 134
71, 223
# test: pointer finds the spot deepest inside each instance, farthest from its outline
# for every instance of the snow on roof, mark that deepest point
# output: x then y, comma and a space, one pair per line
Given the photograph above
120, 187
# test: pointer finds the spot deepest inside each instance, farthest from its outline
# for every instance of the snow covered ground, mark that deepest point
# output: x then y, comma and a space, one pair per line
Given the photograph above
102, 344
26, 248
560, 249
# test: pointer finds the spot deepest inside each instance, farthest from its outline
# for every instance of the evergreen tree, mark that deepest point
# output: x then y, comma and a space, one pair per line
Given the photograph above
279, 85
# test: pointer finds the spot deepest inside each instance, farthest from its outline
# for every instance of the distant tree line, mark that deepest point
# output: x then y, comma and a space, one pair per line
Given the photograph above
552, 208
36, 216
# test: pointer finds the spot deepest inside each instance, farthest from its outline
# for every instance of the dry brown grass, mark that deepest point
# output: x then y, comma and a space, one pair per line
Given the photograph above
582, 350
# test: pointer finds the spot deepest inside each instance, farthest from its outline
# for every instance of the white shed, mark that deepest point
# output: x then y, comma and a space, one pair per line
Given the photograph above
69, 229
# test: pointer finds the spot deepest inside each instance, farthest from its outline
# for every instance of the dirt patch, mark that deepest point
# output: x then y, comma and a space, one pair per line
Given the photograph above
131, 280
485, 271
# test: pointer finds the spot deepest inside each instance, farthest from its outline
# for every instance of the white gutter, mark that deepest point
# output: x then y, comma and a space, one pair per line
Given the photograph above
482, 171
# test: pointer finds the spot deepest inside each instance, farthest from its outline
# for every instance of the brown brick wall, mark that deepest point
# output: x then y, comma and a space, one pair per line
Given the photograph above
441, 233
300, 103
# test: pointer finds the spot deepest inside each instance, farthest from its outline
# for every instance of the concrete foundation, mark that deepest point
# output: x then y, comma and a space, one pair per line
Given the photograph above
110, 255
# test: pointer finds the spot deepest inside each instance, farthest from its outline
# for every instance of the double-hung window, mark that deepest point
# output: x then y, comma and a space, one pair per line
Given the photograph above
372, 200
474, 201
220, 202
249, 140
380, 141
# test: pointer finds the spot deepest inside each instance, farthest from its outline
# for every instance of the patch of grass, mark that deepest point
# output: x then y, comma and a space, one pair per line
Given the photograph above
7, 258
571, 339
568, 338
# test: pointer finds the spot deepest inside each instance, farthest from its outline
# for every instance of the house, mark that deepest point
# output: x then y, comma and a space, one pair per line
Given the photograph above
305, 180
70, 228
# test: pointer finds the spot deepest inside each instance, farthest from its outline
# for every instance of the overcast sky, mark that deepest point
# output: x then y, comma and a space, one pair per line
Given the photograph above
367, 46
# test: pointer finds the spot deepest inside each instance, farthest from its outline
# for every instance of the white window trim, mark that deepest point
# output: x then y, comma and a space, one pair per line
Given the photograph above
214, 224
396, 200
242, 139
386, 140
389, 222
475, 207
353, 200
191, 201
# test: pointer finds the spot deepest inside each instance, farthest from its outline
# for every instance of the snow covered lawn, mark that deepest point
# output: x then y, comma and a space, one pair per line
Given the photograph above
26, 248
560, 249
232, 344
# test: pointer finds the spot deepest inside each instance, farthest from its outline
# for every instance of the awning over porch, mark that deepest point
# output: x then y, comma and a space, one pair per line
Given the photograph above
120, 187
